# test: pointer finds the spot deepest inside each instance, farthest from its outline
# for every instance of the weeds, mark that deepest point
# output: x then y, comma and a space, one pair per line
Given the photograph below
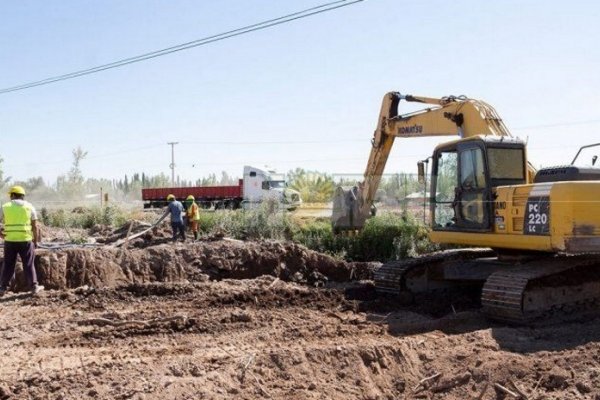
384, 237
264, 222
85, 218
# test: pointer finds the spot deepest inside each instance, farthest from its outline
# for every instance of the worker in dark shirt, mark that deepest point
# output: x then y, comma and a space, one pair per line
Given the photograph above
175, 208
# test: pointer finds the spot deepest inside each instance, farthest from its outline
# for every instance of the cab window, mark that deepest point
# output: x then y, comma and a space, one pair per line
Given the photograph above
472, 186
445, 188
472, 173
506, 163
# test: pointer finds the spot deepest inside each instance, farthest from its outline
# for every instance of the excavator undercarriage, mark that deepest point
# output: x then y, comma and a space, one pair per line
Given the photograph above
520, 291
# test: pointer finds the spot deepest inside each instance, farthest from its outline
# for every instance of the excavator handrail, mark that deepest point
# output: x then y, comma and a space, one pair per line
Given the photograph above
581, 148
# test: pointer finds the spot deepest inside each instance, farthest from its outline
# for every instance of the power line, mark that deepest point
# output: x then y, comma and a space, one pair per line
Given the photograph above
188, 45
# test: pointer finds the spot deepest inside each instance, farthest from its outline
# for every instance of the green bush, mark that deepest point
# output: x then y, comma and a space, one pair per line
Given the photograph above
388, 236
316, 235
85, 217
262, 222
385, 237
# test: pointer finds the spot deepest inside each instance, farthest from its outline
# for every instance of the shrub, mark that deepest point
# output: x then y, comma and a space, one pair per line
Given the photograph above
85, 217
384, 237
262, 222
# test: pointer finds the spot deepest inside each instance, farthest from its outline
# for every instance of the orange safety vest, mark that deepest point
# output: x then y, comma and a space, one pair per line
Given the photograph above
193, 212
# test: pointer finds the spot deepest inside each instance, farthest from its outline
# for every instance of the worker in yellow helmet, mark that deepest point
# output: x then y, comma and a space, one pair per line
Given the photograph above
175, 208
21, 234
193, 215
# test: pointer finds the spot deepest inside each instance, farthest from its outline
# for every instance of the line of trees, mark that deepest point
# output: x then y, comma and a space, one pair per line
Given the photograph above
313, 186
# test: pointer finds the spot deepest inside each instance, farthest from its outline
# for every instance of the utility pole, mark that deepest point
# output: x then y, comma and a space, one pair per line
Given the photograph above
172, 166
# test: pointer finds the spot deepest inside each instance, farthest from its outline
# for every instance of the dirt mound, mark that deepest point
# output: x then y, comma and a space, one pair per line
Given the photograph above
106, 266
266, 338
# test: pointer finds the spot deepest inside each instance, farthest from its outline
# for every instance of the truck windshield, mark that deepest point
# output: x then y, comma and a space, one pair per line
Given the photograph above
277, 184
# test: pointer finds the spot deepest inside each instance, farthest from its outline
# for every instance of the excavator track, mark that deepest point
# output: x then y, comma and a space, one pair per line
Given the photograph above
391, 277
518, 291
554, 287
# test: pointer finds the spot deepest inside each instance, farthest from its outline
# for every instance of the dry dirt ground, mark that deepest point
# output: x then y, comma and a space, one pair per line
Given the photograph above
231, 320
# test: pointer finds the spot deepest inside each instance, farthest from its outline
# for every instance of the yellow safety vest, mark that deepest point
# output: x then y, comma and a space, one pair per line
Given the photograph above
17, 222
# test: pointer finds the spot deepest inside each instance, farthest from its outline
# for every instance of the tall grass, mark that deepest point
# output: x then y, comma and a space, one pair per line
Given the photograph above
384, 237
85, 217
264, 222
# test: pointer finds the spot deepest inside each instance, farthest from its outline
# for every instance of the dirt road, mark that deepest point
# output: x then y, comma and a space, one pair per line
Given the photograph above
212, 337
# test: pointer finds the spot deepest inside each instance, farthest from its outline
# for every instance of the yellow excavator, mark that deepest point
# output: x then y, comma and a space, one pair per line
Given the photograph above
534, 235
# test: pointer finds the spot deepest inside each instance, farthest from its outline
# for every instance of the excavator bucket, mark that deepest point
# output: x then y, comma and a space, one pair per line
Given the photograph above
346, 215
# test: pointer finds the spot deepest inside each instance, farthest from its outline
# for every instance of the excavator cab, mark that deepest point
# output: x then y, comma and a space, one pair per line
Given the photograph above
464, 175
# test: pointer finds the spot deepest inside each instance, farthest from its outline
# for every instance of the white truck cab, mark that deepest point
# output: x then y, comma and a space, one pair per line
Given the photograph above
263, 184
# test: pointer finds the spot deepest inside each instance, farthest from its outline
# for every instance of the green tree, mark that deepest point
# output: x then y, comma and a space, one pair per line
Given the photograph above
36, 188
314, 187
211, 180
226, 179
75, 176
72, 183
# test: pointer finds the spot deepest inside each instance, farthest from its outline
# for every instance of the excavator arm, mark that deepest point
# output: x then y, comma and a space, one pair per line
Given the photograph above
447, 116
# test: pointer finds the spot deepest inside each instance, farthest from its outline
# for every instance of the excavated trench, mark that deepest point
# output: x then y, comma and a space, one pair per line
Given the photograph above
199, 261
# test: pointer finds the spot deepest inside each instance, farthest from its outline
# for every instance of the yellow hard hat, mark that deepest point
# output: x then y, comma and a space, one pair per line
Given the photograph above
171, 197
190, 197
17, 190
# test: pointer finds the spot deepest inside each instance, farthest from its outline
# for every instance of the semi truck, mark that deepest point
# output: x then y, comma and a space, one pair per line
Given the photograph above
256, 186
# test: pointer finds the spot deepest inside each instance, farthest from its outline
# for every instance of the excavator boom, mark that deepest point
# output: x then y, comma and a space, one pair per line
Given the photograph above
446, 116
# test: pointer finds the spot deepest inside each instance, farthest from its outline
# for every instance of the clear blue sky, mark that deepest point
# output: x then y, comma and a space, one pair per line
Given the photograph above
317, 79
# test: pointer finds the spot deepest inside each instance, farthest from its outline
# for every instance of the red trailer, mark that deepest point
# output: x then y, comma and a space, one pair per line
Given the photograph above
206, 196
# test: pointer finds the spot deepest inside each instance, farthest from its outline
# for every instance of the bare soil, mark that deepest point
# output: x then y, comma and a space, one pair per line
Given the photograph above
185, 262
246, 320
